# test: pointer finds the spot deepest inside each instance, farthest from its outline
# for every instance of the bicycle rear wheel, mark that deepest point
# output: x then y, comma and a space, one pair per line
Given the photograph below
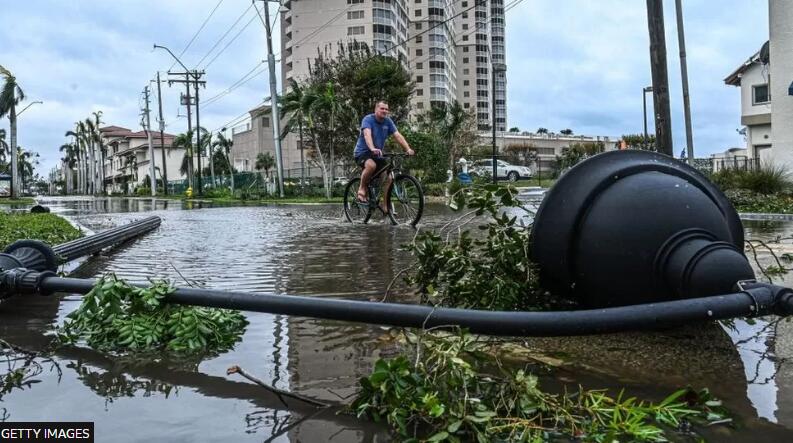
354, 211
405, 201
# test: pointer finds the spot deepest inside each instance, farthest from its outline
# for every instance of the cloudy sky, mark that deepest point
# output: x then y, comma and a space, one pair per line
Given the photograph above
577, 64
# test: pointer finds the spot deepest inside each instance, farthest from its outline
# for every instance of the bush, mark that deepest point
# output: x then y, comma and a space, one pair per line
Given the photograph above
766, 180
747, 201
143, 191
222, 192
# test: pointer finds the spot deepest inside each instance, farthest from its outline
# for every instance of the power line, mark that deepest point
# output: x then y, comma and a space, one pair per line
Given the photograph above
233, 25
245, 79
198, 32
230, 42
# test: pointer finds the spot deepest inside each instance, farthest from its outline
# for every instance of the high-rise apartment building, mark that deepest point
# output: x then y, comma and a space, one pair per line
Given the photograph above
432, 48
311, 25
449, 46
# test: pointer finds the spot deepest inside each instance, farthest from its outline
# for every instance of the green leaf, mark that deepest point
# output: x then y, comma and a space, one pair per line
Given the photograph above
440, 436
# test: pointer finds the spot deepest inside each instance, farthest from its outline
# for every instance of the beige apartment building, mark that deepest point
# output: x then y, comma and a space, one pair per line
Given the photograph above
449, 46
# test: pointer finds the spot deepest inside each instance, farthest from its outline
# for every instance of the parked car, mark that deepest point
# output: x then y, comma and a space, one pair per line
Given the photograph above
504, 170
341, 181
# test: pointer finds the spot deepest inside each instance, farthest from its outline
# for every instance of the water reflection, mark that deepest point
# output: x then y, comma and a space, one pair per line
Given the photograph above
308, 250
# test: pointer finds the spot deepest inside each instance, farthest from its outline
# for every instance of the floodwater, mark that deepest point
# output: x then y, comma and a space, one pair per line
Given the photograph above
308, 250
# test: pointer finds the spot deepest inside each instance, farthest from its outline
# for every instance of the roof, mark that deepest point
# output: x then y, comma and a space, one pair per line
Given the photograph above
142, 134
734, 79
111, 131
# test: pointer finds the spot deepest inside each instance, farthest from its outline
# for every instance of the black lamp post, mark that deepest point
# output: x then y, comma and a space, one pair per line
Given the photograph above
496, 68
644, 100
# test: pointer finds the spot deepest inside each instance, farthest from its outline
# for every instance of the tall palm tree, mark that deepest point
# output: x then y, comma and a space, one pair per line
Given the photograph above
207, 146
224, 145
77, 143
330, 102
293, 105
185, 140
27, 161
5, 152
69, 161
101, 149
10, 96
131, 163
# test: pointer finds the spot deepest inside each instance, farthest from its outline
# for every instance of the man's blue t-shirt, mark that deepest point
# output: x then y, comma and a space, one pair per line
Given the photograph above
380, 132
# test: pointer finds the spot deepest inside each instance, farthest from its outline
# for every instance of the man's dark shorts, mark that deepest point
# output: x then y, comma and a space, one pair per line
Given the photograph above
380, 161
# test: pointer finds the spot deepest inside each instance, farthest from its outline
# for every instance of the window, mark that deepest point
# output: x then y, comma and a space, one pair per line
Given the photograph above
466, 94
418, 13
418, 26
465, 48
382, 29
419, 92
466, 82
420, 105
465, 4
419, 78
465, 14
466, 105
465, 59
354, 2
355, 30
465, 38
353, 15
465, 26
760, 94
419, 52
418, 39
265, 122
419, 65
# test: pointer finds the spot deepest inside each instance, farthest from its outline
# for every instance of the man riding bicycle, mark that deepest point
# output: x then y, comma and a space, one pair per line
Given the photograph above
375, 129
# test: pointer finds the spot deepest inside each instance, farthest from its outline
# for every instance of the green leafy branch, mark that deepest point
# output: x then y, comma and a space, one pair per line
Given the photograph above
116, 316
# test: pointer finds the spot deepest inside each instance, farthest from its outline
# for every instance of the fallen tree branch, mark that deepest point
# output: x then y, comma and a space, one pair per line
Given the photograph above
279, 392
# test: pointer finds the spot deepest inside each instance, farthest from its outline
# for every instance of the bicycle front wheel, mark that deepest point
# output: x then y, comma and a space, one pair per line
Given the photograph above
354, 211
405, 201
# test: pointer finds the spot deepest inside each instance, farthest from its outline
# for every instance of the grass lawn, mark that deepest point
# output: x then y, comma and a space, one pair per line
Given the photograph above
48, 228
19, 201
545, 183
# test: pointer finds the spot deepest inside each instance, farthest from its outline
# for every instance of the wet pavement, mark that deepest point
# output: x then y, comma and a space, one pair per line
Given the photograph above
308, 250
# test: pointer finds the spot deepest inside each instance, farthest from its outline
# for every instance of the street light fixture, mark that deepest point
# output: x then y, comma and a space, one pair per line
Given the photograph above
31, 104
496, 68
644, 99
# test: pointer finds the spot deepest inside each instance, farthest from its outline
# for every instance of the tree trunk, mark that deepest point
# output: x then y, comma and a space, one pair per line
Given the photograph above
12, 117
211, 165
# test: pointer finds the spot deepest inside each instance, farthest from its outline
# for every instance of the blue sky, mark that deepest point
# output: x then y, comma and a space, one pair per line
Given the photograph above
576, 64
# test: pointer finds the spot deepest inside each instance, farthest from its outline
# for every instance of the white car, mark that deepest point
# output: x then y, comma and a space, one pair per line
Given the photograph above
504, 170
341, 181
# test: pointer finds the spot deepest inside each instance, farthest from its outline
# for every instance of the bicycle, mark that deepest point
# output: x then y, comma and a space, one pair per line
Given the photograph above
404, 198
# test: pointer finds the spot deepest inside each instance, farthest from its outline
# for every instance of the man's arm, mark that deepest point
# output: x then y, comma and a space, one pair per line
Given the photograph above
404, 143
367, 136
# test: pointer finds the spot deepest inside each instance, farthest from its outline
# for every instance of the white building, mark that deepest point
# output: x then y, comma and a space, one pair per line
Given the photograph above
547, 146
127, 158
765, 81
753, 79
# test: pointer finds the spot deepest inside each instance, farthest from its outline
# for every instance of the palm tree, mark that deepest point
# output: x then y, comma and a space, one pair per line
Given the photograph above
224, 144
206, 145
131, 163
264, 162
293, 105
69, 161
185, 140
101, 149
10, 96
27, 161
4, 150
78, 146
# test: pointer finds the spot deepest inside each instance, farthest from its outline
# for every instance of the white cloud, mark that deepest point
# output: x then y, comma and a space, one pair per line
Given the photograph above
572, 63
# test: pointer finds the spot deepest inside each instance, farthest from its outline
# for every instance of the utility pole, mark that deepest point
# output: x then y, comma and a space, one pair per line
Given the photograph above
681, 37
147, 128
276, 120
187, 100
663, 115
162, 138
199, 148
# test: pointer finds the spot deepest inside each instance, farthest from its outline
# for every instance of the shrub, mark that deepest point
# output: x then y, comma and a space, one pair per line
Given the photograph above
766, 180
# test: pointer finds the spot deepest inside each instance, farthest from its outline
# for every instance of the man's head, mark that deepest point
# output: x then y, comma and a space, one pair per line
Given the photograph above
381, 110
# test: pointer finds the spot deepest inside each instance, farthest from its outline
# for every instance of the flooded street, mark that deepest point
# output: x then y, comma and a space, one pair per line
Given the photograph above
308, 250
